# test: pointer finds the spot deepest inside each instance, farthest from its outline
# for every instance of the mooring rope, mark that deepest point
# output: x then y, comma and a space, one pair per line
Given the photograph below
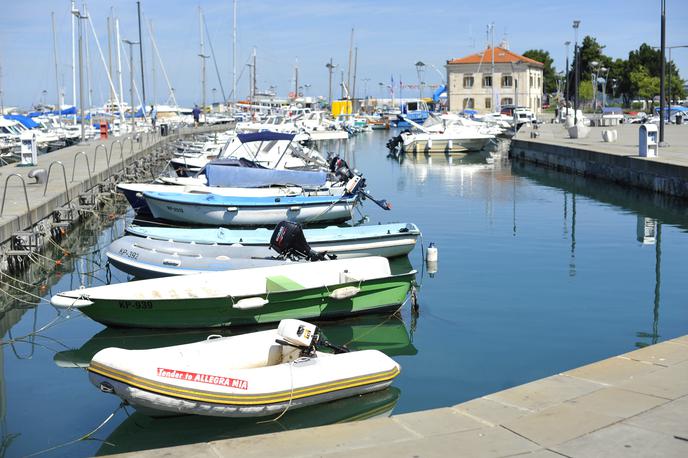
86, 436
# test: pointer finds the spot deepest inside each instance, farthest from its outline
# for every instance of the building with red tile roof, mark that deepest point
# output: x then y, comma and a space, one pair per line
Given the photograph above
492, 78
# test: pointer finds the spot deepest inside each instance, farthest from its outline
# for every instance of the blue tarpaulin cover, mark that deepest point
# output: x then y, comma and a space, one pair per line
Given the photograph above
66, 111
264, 136
25, 120
249, 177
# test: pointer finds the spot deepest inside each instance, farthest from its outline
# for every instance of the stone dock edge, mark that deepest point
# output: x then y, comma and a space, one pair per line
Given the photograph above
635, 404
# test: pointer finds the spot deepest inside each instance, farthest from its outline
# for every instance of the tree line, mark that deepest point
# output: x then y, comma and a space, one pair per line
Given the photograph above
636, 77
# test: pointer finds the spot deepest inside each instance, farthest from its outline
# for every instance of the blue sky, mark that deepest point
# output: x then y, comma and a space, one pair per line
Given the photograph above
391, 36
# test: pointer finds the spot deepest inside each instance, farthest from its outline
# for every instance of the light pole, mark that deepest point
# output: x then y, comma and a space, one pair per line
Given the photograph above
593, 76
662, 67
604, 87
43, 98
131, 80
567, 80
214, 91
306, 87
382, 89
419, 69
77, 14
576, 24
365, 93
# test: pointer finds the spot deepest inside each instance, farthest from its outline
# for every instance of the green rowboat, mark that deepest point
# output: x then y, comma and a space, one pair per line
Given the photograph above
316, 290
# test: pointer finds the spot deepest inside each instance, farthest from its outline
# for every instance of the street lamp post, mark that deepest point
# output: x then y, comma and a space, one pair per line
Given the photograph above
593, 76
420, 66
604, 87
203, 58
576, 24
306, 87
662, 67
131, 80
330, 68
566, 80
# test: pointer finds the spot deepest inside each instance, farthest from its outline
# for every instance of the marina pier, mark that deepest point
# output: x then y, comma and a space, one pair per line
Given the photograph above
631, 405
549, 145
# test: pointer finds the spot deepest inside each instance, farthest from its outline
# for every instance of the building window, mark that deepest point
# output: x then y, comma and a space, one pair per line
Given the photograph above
487, 81
507, 101
532, 82
468, 81
488, 103
507, 81
539, 82
468, 103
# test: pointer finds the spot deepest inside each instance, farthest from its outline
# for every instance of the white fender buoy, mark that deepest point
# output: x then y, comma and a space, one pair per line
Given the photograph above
431, 254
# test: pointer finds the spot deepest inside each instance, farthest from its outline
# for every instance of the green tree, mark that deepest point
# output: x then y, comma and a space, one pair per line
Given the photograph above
644, 85
585, 90
549, 76
589, 51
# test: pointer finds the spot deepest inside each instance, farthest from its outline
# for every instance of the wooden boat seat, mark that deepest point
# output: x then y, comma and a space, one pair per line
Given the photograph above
278, 283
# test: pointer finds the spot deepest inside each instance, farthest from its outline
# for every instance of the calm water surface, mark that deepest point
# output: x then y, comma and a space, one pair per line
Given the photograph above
538, 272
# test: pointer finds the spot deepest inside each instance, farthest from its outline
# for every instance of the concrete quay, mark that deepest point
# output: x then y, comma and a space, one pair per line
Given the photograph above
17, 215
632, 405
617, 161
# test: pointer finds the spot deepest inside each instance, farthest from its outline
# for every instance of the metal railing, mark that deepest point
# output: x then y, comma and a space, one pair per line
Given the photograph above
64, 174
26, 197
88, 166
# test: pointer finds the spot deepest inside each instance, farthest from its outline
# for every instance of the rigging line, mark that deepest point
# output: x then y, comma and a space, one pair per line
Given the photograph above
35, 296
212, 52
86, 436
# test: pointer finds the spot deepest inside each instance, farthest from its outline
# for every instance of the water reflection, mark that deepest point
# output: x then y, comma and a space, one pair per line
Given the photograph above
649, 207
139, 432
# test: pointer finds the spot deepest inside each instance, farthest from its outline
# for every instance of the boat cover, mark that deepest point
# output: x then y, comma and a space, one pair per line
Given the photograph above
264, 136
222, 175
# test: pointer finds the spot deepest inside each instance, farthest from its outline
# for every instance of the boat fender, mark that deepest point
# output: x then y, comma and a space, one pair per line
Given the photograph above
250, 303
345, 292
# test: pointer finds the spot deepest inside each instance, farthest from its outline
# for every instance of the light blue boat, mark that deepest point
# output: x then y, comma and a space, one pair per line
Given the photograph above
218, 210
388, 240
149, 252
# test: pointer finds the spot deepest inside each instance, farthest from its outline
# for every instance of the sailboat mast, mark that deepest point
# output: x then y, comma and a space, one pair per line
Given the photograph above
109, 30
348, 75
143, 79
353, 88
89, 89
119, 75
203, 57
155, 96
234, 37
493, 68
57, 78
74, 10
254, 72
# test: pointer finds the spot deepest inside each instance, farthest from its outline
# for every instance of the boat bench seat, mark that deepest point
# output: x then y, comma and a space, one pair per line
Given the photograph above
278, 283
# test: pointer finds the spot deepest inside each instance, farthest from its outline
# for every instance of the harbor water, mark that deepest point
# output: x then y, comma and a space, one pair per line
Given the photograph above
538, 272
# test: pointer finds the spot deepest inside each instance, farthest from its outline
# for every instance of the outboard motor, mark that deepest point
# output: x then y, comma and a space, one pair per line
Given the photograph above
288, 240
304, 336
340, 169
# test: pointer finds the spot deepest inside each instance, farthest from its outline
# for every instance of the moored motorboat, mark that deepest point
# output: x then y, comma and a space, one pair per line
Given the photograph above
158, 251
218, 210
314, 290
252, 374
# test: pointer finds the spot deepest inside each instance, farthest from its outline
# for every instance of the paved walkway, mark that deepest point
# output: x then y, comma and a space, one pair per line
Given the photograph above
16, 216
627, 144
633, 405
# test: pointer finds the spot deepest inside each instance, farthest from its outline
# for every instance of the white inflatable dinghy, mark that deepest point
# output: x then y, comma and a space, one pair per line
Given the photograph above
253, 374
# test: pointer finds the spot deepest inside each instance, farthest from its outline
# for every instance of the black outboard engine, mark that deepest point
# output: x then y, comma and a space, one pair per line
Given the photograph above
288, 240
341, 169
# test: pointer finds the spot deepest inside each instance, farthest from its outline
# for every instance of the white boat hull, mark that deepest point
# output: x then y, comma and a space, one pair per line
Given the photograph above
249, 216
